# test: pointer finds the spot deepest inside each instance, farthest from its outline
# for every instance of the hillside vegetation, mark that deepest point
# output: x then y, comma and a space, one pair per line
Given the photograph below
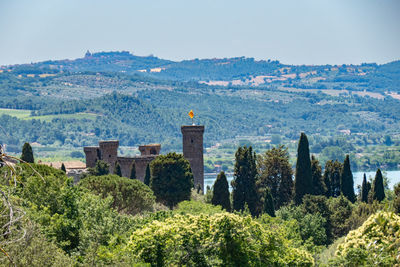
117, 95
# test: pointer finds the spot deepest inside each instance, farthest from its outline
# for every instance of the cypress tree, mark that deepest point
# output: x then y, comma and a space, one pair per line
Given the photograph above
244, 182
364, 189
333, 175
346, 181
269, 204
319, 187
117, 169
146, 180
303, 179
327, 178
221, 192
378, 189
27, 153
63, 168
133, 171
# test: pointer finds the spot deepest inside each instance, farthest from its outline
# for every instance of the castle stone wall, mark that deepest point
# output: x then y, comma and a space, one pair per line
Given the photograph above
108, 152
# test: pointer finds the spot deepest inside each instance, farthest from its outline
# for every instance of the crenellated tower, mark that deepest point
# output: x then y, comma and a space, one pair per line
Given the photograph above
192, 139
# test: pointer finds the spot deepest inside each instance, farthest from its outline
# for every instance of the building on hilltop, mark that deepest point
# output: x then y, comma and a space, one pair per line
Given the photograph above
107, 151
192, 141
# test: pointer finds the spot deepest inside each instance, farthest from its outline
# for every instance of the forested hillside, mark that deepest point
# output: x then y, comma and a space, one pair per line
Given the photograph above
116, 95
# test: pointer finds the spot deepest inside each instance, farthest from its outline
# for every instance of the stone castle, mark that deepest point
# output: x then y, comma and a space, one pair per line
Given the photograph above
192, 140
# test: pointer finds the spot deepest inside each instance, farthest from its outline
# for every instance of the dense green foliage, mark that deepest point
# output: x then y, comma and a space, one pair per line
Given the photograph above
27, 153
214, 240
319, 187
129, 196
303, 175
376, 242
269, 207
171, 179
221, 195
275, 174
332, 176
100, 168
244, 180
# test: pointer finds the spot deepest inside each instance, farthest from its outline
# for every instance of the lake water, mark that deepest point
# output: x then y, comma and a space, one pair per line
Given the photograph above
393, 177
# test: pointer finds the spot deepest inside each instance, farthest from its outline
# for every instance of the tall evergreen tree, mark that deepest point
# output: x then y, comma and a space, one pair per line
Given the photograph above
327, 178
346, 181
319, 187
275, 174
244, 182
63, 168
27, 153
378, 192
133, 171
303, 178
221, 192
147, 176
117, 169
269, 204
364, 189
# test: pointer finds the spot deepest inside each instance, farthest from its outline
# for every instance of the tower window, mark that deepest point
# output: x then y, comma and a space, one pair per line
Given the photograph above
191, 140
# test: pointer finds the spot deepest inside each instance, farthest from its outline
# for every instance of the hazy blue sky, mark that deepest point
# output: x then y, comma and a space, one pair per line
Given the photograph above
292, 31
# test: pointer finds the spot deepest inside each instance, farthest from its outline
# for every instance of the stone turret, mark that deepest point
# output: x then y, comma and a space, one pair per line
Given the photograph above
193, 151
92, 155
152, 149
109, 152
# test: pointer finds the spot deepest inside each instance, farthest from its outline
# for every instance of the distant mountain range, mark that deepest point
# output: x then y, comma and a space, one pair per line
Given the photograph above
238, 71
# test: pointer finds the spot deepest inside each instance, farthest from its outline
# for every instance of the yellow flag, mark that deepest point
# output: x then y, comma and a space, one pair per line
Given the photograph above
191, 114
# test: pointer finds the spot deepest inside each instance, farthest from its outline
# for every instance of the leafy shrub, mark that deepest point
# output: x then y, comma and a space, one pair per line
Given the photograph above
311, 226
376, 242
340, 209
129, 196
51, 200
221, 239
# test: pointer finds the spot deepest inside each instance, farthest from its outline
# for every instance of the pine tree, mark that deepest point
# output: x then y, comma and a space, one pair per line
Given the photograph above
221, 192
378, 189
275, 174
319, 187
171, 179
364, 190
244, 182
63, 168
133, 171
117, 169
346, 181
303, 178
147, 176
269, 204
27, 153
